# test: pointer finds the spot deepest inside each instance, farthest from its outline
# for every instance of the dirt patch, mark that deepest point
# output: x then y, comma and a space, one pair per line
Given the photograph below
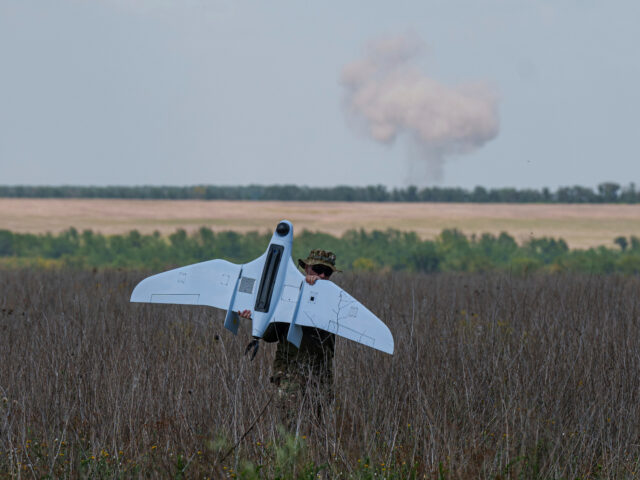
580, 225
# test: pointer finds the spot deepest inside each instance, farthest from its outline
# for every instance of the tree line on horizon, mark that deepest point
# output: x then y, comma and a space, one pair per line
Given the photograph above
357, 250
607, 192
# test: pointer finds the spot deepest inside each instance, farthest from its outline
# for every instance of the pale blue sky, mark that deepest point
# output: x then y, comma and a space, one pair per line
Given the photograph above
179, 92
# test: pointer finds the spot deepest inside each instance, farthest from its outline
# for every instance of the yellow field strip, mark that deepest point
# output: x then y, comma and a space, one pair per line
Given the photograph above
580, 225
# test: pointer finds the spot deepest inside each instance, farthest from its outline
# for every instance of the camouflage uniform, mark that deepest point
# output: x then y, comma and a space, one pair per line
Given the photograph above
303, 376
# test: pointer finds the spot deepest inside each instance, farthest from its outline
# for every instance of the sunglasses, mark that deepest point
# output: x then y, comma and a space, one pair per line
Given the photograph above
322, 269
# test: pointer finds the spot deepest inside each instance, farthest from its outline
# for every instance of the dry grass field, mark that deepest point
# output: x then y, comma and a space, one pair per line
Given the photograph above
580, 225
493, 377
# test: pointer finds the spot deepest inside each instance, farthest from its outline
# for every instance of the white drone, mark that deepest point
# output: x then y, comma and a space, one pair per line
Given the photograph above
274, 290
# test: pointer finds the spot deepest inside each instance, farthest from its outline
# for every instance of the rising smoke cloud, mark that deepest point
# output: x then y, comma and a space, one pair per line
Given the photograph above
390, 96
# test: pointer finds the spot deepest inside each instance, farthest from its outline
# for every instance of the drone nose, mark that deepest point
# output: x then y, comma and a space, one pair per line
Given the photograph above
282, 229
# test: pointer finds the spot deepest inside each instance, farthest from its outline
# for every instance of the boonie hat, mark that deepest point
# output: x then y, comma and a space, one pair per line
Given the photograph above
320, 257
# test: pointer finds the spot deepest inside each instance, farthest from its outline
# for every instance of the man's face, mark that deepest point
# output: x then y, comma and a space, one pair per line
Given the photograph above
318, 270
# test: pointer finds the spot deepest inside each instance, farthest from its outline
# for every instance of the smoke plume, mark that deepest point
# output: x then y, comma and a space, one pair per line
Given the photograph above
390, 96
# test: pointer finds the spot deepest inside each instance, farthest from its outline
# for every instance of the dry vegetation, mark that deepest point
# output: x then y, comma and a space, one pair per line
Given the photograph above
493, 377
581, 226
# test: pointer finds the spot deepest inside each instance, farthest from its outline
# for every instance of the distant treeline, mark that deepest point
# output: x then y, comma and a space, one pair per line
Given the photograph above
451, 251
608, 192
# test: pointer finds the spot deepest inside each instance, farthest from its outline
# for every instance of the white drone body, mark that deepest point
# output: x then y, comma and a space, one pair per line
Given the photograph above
273, 289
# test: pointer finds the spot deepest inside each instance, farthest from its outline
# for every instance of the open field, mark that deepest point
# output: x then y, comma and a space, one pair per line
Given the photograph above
493, 377
580, 225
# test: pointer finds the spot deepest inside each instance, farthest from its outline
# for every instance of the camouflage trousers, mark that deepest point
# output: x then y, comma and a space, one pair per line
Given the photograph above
300, 398
303, 378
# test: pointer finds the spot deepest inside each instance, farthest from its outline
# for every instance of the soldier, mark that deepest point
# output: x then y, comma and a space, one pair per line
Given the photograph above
305, 372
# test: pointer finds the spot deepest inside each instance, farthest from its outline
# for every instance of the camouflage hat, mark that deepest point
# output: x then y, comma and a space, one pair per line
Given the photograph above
320, 257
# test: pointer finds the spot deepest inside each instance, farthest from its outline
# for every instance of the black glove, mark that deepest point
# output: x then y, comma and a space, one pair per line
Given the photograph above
253, 344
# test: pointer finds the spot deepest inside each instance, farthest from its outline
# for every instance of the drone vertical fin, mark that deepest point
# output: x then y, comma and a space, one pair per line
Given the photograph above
231, 319
295, 331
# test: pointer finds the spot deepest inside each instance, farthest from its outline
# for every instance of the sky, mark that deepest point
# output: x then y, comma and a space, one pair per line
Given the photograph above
497, 93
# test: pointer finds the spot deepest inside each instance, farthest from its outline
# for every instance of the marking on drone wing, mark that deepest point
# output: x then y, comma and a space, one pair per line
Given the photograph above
184, 299
246, 285
290, 293
351, 333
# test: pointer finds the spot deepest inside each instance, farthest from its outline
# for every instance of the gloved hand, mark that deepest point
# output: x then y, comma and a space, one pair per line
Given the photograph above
253, 344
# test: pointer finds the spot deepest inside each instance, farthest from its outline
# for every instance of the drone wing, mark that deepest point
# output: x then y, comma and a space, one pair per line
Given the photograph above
326, 306
210, 283
216, 283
